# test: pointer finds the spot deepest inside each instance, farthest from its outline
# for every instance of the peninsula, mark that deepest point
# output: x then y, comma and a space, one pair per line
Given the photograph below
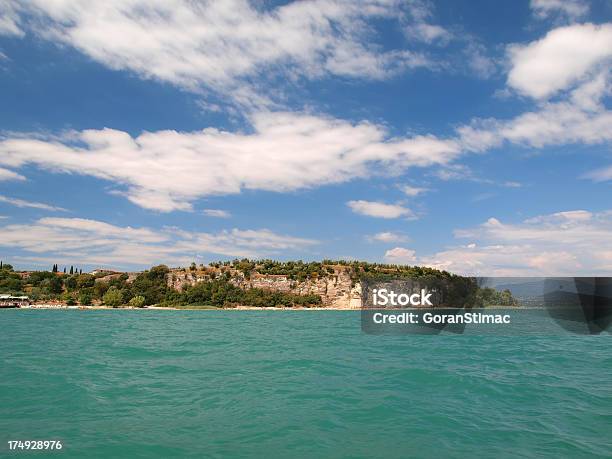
238, 283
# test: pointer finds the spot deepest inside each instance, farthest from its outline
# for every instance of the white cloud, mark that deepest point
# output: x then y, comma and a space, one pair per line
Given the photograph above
380, 209
558, 124
400, 255
9, 19
418, 26
571, 9
93, 242
219, 43
566, 243
601, 175
588, 96
478, 60
428, 33
580, 117
102, 229
6, 174
218, 213
167, 170
563, 57
34, 205
413, 191
456, 171
563, 217
504, 260
387, 237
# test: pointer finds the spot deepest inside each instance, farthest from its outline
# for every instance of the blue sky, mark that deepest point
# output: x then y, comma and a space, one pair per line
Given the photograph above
470, 136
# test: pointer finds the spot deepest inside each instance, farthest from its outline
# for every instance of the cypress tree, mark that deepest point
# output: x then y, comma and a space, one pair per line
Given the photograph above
71, 270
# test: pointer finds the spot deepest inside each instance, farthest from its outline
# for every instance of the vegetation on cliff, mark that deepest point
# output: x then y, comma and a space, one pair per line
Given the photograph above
490, 297
301, 271
10, 281
216, 284
222, 293
147, 288
294, 270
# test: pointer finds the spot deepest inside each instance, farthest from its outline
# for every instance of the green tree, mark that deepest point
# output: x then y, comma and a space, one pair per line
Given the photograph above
71, 283
99, 289
113, 297
10, 282
6, 266
85, 297
36, 277
53, 285
85, 280
69, 299
151, 284
137, 301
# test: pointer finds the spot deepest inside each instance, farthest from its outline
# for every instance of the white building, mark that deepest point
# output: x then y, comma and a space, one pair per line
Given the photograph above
10, 301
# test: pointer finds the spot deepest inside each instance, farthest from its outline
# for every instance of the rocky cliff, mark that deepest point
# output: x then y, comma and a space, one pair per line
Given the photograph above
337, 289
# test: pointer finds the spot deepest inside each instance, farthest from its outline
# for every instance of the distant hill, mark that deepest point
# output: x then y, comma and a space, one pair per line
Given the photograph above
532, 288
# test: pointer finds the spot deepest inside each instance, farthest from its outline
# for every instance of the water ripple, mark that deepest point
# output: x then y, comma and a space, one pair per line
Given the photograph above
295, 384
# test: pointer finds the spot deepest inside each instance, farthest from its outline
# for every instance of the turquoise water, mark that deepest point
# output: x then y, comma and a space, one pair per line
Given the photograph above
294, 384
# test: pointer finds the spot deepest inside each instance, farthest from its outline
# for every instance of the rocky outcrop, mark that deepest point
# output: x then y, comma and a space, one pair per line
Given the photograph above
337, 290
108, 278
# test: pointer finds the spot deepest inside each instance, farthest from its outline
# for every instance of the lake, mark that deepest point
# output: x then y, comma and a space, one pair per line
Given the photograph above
128, 383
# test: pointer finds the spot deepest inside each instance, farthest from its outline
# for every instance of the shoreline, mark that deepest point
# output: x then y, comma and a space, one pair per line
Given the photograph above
170, 308
244, 308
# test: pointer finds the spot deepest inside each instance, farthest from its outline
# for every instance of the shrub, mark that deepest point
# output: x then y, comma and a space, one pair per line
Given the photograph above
70, 283
85, 298
10, 282
113, 297
151, 284
99, 289
69, 299
137, 302
53, 285
85, 280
